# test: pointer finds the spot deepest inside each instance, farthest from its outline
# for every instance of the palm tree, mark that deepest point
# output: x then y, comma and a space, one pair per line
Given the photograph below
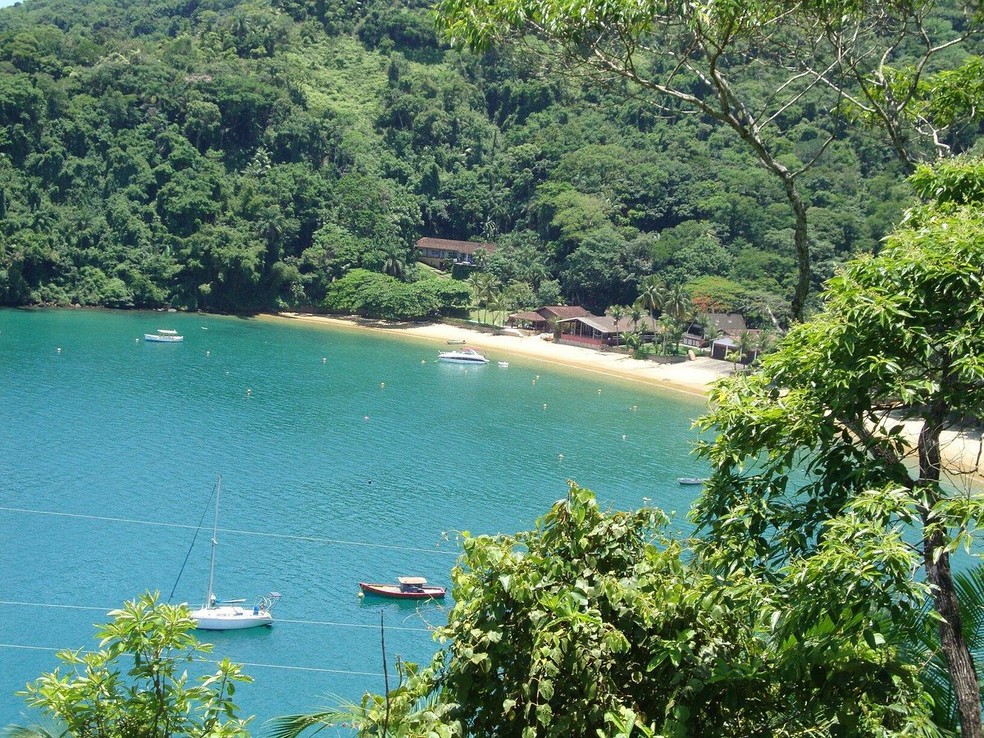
703, 321
635, 315
652, 294
665, 329
482, 284
677, 329
405, 711
395, 261
745, 345
764, 343
618, 312
926, 648
677, 302
497, 302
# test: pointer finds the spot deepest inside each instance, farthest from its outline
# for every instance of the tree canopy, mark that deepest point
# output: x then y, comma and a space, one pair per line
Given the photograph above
242, 157
137, 682
852, 410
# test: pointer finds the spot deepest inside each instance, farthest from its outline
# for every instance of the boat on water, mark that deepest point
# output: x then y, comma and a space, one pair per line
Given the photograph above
407, 588
464, 355
218, 614
691, 480
164, 335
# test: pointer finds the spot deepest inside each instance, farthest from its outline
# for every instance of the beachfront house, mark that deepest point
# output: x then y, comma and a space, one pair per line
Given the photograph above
723, 346
544, 319
719, 325
443, 253
595, 331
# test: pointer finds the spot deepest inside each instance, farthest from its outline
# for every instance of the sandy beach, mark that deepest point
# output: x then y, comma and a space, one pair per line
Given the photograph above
691, 377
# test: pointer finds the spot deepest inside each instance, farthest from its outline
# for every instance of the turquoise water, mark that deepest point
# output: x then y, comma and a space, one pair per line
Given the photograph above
344, 456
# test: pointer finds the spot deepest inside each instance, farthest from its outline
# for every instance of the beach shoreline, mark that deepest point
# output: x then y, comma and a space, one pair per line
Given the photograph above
962, 448
689, 377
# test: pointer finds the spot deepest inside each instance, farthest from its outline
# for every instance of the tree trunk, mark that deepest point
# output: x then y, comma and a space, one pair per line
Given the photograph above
960, 662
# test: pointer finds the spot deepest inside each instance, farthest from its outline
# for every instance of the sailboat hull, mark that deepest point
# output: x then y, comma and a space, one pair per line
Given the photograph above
227, 617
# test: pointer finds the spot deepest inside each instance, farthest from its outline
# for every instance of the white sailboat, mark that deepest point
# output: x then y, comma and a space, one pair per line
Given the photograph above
218, 614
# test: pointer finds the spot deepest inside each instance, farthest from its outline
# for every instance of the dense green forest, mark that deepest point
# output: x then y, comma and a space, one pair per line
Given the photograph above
243, 156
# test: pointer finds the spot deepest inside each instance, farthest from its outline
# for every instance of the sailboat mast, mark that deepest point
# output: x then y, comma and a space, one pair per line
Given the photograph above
210, 595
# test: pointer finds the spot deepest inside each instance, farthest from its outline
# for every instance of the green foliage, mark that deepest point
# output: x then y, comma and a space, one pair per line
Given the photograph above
374, 295
899, 339
596, 623
242, 156
137, 683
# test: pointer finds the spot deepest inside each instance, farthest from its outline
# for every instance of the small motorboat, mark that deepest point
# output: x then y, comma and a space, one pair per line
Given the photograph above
464, 355
407, 588
691, 480
164, 335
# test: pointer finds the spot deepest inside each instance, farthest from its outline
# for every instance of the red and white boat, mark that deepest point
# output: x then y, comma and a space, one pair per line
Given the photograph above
407, 588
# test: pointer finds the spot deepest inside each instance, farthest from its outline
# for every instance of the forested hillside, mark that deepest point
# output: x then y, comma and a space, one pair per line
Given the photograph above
243, 156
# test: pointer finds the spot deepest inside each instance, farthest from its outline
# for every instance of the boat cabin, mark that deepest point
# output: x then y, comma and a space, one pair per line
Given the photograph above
411, 584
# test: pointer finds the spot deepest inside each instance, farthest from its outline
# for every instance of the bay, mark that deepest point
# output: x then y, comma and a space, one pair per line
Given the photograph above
344, 455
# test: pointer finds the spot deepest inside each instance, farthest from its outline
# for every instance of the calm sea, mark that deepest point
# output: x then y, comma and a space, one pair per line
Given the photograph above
344, 456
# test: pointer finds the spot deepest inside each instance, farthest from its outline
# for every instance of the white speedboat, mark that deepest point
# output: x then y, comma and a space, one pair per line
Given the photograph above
164, 335
464, 355
218, 614
691, 480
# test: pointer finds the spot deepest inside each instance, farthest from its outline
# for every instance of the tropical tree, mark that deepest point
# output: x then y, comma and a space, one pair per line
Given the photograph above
936, 677
395, 261
483, 285
898, 345
746, 344
635, 315
652, 292
497, 302
136, 683
677, 303
690, 57
617, 312
596, 623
